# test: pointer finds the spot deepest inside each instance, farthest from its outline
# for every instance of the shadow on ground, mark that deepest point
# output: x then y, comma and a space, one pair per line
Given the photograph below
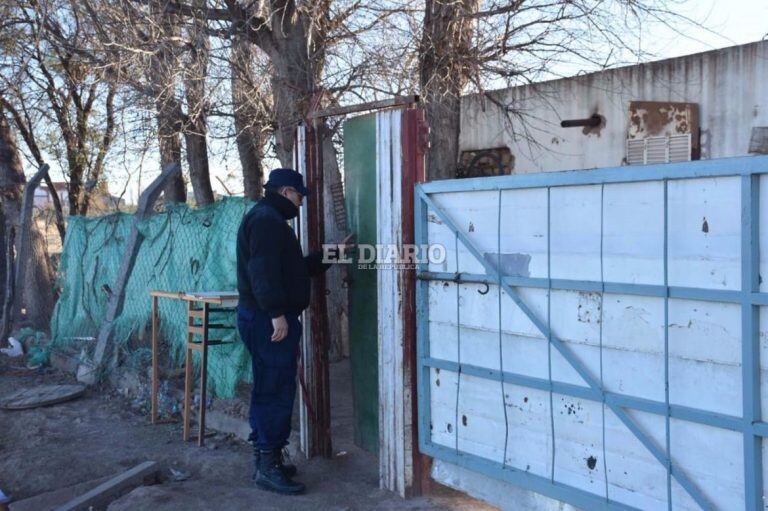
99, 435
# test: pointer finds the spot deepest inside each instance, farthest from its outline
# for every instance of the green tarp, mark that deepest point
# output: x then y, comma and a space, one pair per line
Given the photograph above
184, 249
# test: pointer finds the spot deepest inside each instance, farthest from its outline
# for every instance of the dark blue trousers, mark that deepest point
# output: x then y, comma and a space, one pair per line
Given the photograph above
274, 376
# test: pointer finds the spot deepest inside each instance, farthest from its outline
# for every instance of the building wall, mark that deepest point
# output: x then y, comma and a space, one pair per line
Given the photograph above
41, 198
729, 85
730, 89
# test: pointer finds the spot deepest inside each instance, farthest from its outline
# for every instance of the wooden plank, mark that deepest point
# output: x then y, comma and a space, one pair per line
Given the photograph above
301, 225
320, 390
394, 439
396, 342
155, 355
49, 500
212, 297
364, 107
167, 294
110, 490
203, 377
187, 383
216, 342
398, 169
218, 326
385, 299
132, 244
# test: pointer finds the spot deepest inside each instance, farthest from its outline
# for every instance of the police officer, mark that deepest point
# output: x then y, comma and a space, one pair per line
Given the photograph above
273, 279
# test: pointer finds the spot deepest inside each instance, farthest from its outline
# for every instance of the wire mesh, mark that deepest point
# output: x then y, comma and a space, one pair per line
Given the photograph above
183, 249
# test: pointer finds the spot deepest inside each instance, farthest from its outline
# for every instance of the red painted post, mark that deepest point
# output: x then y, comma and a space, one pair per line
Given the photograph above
320, 392
415, 140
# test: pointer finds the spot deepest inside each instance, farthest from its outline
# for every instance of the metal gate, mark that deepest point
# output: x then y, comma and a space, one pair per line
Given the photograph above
594, 336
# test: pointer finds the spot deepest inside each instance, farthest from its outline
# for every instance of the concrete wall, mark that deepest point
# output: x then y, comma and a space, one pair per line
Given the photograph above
730, 86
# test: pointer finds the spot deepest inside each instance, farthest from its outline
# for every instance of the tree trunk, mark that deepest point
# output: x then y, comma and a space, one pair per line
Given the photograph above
106, 141
75, 189
163, 71
445, 66
25, 130
195, 129
8, 262
197, 160
33, 298
293, 84
11, 184
3, 259
288, 115
297, 68
170, 151
250, 121
59, 212
37, 289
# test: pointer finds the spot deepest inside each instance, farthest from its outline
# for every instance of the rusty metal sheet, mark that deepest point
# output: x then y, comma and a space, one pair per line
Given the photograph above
758, 142
665, 118
497, 161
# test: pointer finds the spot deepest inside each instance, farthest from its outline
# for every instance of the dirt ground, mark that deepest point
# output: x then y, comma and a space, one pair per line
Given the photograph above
100, 434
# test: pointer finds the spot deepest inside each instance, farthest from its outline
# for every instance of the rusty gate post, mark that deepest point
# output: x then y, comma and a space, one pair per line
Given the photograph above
415, 140
320, 392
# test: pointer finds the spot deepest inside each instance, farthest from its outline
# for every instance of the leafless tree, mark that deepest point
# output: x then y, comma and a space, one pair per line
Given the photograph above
252, 111
56, 103
27, 303
195, 74
474, 45
162, 56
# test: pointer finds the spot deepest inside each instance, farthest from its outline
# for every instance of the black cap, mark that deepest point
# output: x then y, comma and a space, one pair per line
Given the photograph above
287, 177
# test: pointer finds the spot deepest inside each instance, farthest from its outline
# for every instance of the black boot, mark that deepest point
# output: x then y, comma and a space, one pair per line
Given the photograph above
288, 468
271, 476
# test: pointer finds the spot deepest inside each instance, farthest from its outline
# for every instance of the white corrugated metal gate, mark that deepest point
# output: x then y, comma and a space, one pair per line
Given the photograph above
595, 336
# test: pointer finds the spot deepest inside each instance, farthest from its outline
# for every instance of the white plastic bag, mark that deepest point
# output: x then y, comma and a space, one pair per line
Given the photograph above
16, 350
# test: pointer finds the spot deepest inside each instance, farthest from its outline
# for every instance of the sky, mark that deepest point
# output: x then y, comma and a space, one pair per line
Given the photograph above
729, 23
725, 23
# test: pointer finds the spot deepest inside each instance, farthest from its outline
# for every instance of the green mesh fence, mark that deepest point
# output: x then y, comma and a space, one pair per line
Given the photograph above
184, 249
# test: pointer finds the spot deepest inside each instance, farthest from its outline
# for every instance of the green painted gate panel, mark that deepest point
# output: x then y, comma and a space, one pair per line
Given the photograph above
360, 188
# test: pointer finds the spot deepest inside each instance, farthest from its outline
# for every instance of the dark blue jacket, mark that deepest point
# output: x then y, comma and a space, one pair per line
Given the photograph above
272, 273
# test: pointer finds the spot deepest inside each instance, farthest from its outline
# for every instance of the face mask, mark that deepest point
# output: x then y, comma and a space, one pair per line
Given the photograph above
282, 204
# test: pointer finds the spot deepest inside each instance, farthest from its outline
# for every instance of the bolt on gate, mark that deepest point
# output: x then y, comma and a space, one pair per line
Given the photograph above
594, 336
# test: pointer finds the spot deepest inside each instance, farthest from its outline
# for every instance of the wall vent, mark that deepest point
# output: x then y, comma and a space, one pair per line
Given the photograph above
668, 149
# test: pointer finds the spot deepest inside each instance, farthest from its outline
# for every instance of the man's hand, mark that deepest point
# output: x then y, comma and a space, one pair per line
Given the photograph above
280, 325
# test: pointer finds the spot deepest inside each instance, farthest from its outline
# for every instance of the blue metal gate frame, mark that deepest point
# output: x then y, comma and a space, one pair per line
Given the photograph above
750, 424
